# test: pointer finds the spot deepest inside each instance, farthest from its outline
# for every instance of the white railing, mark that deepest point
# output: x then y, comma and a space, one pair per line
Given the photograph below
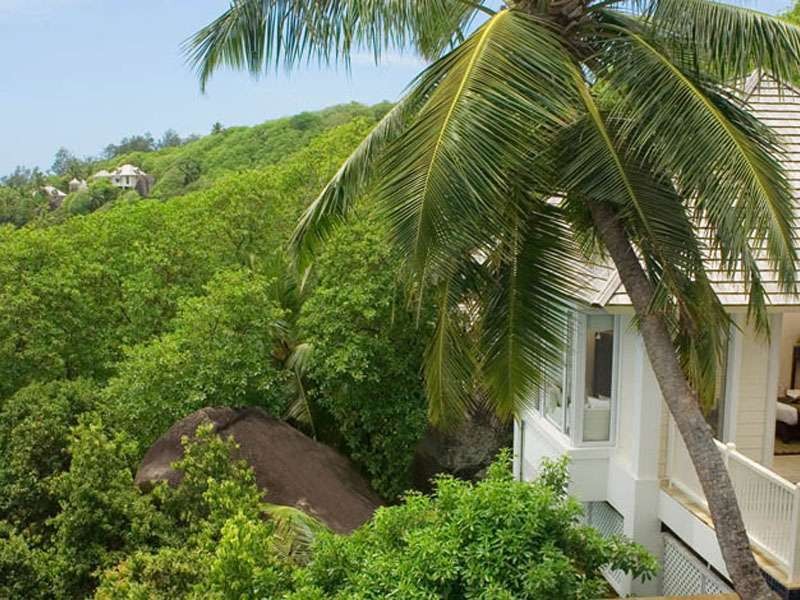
770, 504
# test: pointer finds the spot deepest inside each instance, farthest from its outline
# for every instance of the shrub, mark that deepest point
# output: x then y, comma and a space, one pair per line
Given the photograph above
245, 564
34, 428
220, 545
496, 539
219, 353
215, 485
104, 516
367, 354
22, 568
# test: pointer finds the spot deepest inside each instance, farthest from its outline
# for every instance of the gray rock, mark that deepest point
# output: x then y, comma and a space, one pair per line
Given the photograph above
293, 469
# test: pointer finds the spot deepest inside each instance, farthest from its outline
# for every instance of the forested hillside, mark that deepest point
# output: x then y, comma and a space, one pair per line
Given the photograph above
117, 323
179, 166
129, 318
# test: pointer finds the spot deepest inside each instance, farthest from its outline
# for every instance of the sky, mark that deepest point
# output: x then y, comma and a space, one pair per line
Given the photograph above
85, 73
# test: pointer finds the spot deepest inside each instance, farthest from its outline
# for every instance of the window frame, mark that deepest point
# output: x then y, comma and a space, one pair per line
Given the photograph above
580, 381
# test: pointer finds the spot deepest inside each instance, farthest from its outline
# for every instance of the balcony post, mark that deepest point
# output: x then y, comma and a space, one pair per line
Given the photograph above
794, 557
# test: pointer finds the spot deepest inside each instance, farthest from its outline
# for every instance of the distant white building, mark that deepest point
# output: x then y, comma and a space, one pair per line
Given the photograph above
127, 177
55, 197
77, 185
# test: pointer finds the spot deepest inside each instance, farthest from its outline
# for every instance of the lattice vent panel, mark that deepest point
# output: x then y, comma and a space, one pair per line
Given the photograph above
603, 517
685, 575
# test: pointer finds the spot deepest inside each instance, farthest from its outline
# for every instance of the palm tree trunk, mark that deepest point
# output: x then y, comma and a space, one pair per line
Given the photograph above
682, 402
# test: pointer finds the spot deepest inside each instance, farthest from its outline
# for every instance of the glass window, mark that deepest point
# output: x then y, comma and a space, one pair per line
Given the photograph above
557, 396
599, 378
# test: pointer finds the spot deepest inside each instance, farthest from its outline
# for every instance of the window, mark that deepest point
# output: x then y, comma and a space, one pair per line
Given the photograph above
557, 396
599, 378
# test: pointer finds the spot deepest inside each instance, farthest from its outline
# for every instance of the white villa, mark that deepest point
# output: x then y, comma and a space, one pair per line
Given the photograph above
127, 177
629, 466
55, 197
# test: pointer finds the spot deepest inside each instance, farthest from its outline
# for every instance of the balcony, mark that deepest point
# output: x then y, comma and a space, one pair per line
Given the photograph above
770, 504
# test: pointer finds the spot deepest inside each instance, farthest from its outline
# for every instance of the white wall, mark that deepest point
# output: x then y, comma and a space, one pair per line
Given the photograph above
751, 408
628, 387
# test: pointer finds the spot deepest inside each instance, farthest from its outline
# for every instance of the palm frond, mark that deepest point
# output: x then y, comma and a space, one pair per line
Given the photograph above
259, 34
450, 362
598, 168
295, 532
731, 41
526, 309
498, 98
719, 157
339, 196
299, 407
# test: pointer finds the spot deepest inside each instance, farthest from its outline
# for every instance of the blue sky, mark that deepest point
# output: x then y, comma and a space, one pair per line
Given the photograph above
84, 73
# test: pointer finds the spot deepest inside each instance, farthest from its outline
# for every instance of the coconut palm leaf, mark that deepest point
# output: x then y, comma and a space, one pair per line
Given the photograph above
450, 365
729, 40
299, 407
258, 35
527, 308
295, 532
443, 183
338, 198
660, 225
687, 128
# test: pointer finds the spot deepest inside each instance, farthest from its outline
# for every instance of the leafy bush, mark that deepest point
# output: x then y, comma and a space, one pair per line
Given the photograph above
220, 544
367, 354
245, 564
23, 569
219, 353
36, 422
496, 539
104, 516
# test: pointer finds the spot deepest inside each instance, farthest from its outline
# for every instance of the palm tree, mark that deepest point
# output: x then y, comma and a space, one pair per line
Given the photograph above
541, 134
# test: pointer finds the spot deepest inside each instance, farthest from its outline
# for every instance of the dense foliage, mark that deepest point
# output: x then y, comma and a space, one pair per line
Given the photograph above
179, 165
371, 383
131, 313
499, 539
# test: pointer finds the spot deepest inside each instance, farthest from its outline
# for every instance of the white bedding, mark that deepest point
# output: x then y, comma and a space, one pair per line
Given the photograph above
786, 414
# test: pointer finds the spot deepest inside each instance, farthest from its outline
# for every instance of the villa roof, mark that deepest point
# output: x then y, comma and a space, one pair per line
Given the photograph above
779, 107
53, 191
128, 170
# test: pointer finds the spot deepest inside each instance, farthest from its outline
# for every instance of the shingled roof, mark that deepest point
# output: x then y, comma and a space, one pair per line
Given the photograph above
776, 105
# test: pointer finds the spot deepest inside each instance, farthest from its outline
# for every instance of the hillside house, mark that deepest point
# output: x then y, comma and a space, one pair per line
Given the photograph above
55, 197
628, 463
128, 177
77, 185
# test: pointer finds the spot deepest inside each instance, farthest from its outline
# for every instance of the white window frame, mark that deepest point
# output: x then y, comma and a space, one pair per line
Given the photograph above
579, 382
562, 428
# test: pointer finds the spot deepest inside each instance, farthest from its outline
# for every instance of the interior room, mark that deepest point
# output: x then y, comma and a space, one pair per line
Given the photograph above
786, 461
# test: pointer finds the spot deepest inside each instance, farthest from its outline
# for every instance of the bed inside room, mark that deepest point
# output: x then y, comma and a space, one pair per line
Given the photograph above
786, 460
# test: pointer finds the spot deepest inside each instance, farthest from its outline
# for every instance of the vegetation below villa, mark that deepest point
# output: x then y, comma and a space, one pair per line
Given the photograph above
116, 324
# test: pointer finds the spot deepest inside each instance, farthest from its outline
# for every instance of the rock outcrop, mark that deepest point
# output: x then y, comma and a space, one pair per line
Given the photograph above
293, 469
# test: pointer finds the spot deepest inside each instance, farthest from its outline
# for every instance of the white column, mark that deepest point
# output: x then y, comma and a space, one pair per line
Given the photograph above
732, 379
773, 371
633, 484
